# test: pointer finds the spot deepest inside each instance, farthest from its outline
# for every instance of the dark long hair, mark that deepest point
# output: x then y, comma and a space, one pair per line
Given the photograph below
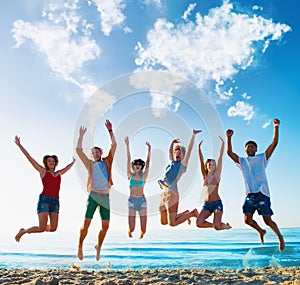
45, 160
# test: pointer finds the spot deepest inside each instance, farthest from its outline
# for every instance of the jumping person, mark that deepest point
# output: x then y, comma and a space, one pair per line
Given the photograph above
98, 187
137, 173
168, 208
211, 173
48, 204
256, 183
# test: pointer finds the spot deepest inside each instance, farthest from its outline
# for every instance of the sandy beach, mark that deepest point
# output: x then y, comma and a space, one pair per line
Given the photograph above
268, 275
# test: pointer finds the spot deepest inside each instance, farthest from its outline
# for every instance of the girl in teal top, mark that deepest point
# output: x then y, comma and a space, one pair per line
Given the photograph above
137, 173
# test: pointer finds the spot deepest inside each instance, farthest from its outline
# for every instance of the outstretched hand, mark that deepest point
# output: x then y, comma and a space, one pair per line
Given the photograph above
126, 140
200, 143
82, 131
222, 140
148, 145
195, 132
108, 124
276, 122
17, 141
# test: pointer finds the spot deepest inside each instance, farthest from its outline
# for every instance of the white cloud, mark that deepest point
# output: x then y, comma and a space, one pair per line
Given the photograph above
155, 82
188, 11
63, 39
256, 7
241, 109
111, 14
246, 96
266, 124
214, 47
160, 103
157, 3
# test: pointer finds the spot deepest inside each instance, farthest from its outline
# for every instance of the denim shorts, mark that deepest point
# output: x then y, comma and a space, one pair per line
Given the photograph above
98, 200
137, 203
48, 204
213, 206
257, 201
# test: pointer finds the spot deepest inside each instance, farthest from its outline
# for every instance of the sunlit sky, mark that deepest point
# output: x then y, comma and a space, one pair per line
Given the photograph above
243, 55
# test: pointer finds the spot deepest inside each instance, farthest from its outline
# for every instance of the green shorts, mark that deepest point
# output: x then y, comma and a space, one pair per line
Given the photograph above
98, 200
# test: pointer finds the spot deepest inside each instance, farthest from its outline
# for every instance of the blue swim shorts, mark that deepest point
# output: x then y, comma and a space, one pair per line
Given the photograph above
213, 206
48, 204
137, 203
257, 201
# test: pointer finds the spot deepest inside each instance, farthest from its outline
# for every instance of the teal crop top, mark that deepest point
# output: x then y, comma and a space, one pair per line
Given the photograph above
133, 183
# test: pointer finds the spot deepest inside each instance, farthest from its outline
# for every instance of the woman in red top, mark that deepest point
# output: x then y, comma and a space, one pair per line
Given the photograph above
48, 204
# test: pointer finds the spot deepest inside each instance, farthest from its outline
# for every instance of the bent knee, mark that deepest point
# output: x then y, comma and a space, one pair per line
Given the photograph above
248, 220
172, 224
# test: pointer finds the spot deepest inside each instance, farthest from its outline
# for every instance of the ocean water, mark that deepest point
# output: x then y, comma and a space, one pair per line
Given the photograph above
164, 249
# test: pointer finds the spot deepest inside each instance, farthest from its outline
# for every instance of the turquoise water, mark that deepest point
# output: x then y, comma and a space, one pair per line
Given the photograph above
199, 248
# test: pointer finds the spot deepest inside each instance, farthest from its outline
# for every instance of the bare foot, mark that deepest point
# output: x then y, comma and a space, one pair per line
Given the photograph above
281, 243
195, 213
97, 252
80, 253
142, 234
129, 233
20, 234
261, 235
189, 221
227, 226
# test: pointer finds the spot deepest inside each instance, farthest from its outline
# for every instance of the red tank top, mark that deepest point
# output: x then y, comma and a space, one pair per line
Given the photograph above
51, 184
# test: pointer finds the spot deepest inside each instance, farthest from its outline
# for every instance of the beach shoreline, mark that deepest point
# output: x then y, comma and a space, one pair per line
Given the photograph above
267, 275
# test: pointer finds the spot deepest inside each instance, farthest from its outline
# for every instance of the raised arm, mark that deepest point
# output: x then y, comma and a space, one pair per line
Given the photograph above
147, 160
171, 148
37, 166
81, 154
230, 153
126, 140
274, 142
82, 131
190, 147
220, 158
109, 127
201, 159
68, 167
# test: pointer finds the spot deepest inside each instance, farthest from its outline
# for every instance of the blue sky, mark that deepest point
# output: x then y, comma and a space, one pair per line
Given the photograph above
243, 55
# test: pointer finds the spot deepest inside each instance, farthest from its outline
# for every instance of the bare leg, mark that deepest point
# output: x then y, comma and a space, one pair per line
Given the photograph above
217, 224
101, 236
131, 221
164, 217
268, 220
53, 222
43, 220
143, 221
249, 221
82, 234
175, 219
186, 211
201, 220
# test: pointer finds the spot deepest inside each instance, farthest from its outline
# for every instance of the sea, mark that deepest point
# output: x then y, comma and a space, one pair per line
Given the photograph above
169, 248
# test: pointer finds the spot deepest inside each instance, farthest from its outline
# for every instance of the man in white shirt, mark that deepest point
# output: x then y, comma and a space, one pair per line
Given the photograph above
256, 183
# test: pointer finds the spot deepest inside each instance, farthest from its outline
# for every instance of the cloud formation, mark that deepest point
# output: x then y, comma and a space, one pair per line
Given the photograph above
214, 48
111, 14
63, 39
241, 109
